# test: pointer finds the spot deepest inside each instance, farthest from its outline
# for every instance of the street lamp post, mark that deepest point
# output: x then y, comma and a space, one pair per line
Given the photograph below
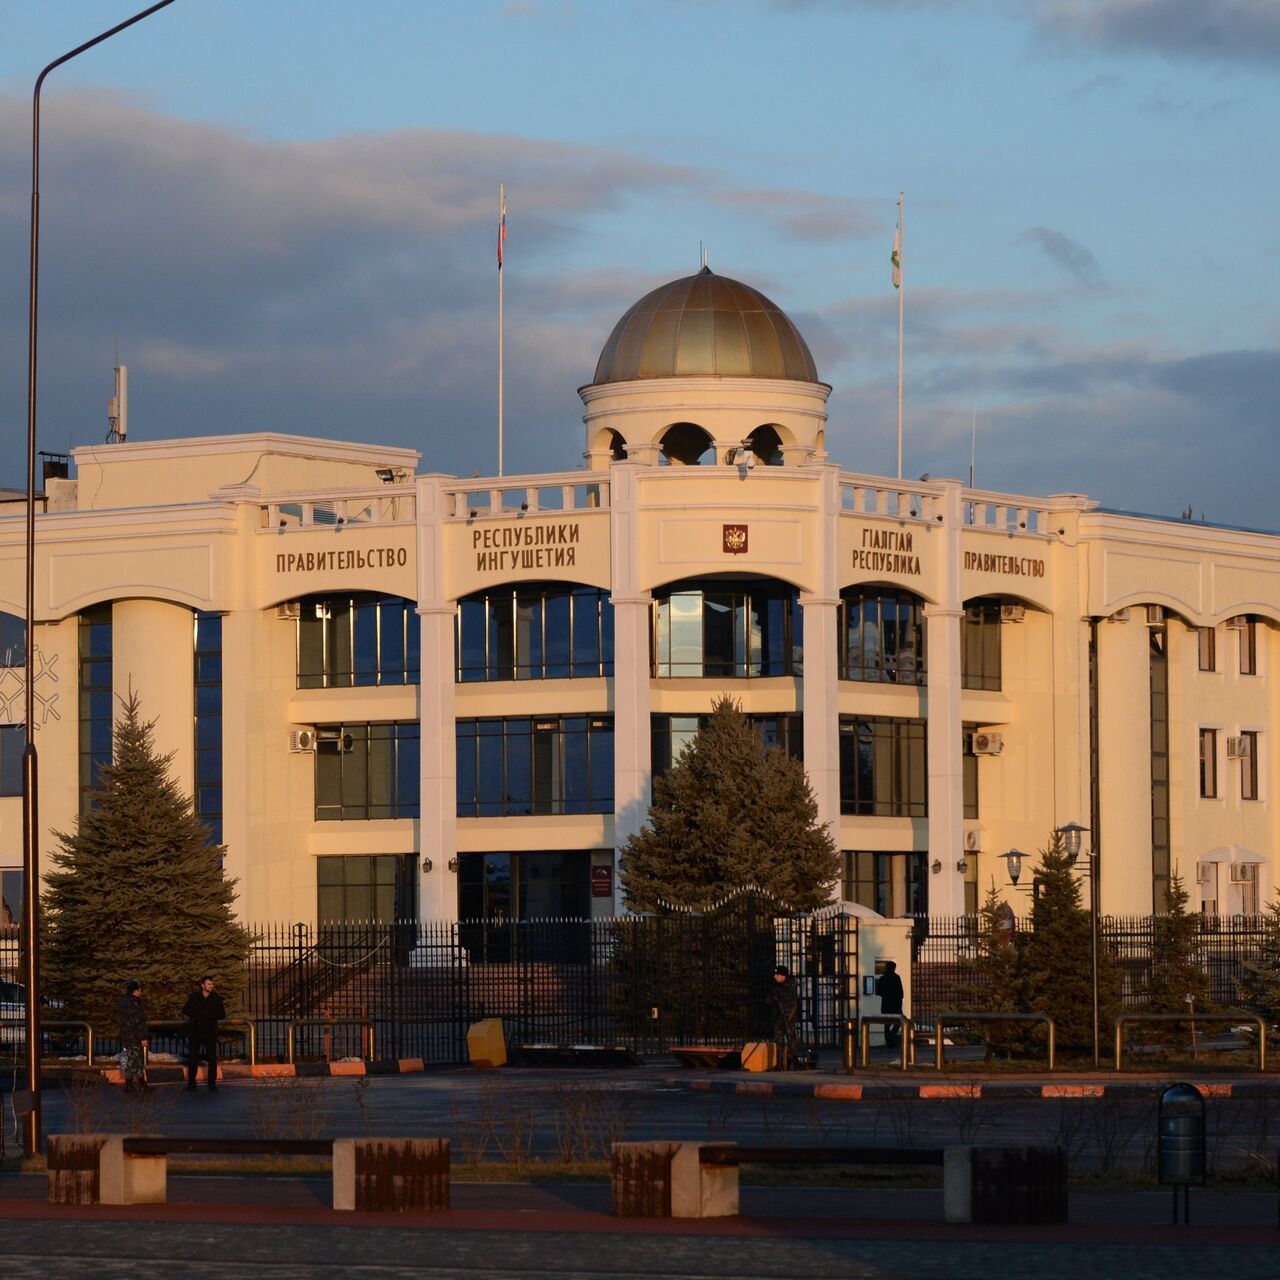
1071, 833
30, 771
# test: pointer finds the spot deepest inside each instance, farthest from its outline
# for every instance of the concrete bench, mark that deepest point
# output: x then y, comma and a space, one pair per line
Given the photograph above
376, 1174
700, 1180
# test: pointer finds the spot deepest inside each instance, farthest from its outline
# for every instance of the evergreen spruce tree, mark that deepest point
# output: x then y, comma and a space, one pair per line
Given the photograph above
729, 814
994, 979
139, 893
1175, 970
1259, 985
1059, 978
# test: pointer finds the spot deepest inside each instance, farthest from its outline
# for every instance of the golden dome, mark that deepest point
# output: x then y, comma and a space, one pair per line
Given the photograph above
705, 326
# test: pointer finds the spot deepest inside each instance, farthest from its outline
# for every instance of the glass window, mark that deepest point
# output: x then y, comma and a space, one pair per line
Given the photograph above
1207, 648
883, 769
13, 640
536, 631
542, 885
1249, 765
208, 722
356, 640
357, 889
893, 884
1249, 648
670, 735
521, 766
882, 636
969, 764
13, 743
10, 897
1209, 763
980, 645
728, 630
367, 771
97, 702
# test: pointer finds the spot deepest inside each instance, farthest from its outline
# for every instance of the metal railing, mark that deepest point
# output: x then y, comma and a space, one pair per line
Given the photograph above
183, 1028
943, 1020
54, 1026
1231, 1015
365, 1025
906, 1038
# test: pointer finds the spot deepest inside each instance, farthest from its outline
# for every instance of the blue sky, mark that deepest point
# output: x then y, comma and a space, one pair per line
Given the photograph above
281, 214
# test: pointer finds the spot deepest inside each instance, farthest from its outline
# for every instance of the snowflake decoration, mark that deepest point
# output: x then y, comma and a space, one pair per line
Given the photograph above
13, 688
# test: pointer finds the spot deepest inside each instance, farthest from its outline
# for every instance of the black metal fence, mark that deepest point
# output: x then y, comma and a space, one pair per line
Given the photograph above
941, 946
647, 983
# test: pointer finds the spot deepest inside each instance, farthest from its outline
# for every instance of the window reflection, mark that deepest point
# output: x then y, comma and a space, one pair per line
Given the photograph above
883, 770
728, 630
357, 640
535, 631
882, 636
367, 771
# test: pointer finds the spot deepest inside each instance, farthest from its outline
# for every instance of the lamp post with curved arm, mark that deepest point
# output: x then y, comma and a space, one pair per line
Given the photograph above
30, 772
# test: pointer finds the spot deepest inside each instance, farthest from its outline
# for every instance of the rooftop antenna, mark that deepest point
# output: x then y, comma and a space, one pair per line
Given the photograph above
973, 444
705, 254
118, 408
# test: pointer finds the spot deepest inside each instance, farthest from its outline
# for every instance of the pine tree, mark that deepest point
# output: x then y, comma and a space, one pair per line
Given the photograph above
1058, 966
729, 814
1175, 971
1260, 983
139, 893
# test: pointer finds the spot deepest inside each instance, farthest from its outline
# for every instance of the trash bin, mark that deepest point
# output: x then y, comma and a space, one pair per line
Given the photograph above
1181, 1151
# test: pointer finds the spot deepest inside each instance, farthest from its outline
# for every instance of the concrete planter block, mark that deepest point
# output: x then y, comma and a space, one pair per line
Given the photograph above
128, 1179
702, 1191
391, 1175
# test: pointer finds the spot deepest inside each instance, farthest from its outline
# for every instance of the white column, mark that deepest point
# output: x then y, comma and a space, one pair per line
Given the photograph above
632, 762
945, 747
821, 659
821, 712
438, 800
152, 652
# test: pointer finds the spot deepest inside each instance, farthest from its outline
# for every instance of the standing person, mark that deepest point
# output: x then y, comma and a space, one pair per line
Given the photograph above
889, 989
204, 1010
133, 1037
786, 1005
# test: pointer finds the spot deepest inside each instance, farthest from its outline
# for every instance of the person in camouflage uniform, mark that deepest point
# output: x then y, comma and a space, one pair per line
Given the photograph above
133, 1037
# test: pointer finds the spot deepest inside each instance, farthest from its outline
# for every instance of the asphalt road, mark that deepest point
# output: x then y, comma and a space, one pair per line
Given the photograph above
548, 1112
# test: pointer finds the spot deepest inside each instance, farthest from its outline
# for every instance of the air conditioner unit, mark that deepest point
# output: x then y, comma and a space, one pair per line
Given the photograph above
1012, 612
290, 611
1238, 748
1244, 873
1204, 873
302, 740
1155, 615
1120, 615
972, 840
1238, 623
987, 744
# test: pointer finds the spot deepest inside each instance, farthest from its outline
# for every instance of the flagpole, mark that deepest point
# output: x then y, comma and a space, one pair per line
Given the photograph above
901, 299
502, 235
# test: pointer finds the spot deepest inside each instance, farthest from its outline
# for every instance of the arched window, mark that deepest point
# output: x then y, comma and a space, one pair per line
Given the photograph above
728, 628
980, 644
685, 444
534, 631
882, 635
766, 444
357, 638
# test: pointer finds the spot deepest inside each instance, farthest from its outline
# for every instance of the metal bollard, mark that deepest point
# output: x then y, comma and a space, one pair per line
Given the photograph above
848, 1044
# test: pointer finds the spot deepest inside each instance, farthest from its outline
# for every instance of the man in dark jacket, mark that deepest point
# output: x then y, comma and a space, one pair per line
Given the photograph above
889, 989
786, 1007
204, 1010
133, 1037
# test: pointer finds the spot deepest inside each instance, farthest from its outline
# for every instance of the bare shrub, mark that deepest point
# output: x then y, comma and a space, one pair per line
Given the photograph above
1066, 1125
718, 1111
965, 1110
89, 1098
289, 1107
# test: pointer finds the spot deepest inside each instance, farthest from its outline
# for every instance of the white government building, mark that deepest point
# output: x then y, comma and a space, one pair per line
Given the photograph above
411, 694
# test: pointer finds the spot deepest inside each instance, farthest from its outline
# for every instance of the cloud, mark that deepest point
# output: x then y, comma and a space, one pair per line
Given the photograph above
1200, 30
1077, 261
804, 215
